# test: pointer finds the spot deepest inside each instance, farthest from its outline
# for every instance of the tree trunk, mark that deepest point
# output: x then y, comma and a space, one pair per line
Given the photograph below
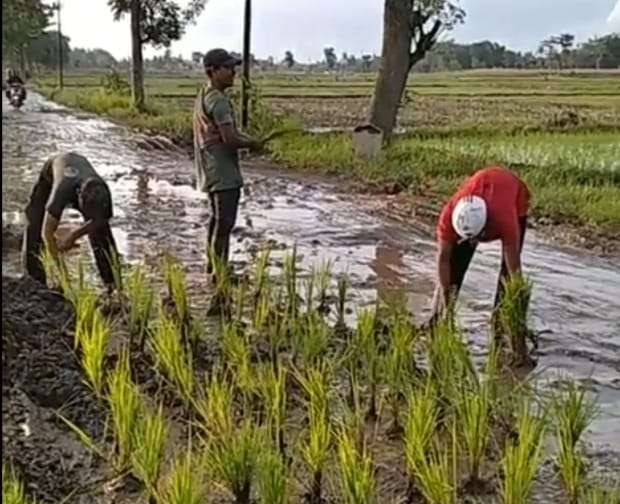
137, 67
395, 64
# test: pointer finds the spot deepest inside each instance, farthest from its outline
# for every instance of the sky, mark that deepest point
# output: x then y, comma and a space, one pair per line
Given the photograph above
354, 26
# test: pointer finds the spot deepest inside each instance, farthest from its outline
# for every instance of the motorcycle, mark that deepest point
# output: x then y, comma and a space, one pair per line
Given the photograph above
16, 95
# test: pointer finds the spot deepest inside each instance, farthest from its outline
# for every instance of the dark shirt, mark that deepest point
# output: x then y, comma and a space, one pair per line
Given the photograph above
74, 170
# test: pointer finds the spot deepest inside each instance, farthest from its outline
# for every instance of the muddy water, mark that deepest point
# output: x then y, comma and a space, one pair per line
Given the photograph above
576, 297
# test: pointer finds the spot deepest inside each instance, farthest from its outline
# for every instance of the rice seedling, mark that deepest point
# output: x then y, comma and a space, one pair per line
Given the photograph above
272, 383
290, 281
512, 317
523, 455
474, 414
215, 406
263, 307
450, 363
261, 275
310, 285
601, 495
84, 315
173, 358
237, 352
573, 413
124, 400
367, 335
357, 480
149, 442
312, 339
316, 447
57, 274
273, 484
13, 490
94, 343
433, 475
117, 270
174, 276
323, 281
343, 286
233, 460
183, 486
141, 298
420, 426
239, 299
398, 368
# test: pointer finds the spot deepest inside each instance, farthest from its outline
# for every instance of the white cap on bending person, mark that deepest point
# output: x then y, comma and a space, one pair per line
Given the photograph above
469, 217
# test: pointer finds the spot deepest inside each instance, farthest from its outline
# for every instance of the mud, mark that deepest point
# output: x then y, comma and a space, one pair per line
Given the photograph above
41, 380
576, 296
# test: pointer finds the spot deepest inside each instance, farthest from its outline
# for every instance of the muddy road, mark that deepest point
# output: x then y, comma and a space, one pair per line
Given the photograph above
576, 296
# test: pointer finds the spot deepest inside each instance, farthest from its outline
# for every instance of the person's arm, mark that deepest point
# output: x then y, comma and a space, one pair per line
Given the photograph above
444, 267
511, 246
50, 225
512, 256
89, 226
222, 114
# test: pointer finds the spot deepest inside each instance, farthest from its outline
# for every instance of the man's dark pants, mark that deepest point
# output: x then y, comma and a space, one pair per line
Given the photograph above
459, 262
101, 240
224, 207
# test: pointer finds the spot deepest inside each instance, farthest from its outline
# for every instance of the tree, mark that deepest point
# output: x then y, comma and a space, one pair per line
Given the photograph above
289, 59
154, 22
22, 22
330, 57
366, 62
44, 50
406, 23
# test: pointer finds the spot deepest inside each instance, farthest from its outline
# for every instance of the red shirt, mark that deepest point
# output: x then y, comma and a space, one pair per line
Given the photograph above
507, 198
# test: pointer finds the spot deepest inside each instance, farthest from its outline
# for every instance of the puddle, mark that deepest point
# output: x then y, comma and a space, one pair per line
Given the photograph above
576, 297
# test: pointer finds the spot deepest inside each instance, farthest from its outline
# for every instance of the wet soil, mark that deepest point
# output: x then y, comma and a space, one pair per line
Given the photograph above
576, 296
41, 379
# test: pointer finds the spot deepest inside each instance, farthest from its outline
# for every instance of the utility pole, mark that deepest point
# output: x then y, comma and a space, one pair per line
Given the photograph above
245, 82
60, 55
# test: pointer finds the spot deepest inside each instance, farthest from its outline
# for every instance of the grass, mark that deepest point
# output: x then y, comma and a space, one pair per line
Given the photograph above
559, 132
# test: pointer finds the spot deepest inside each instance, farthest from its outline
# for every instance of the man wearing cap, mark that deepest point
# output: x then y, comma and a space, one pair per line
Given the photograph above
69, 180
491, 205
216, 144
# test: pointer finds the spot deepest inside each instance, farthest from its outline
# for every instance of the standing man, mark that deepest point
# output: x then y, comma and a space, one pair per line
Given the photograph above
69, 180
216, 144
491, 205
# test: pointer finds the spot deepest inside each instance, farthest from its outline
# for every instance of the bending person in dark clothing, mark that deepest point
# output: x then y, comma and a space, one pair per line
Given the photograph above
69, 180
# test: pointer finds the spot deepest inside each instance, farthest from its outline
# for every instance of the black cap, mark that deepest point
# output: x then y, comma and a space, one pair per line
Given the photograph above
219, 58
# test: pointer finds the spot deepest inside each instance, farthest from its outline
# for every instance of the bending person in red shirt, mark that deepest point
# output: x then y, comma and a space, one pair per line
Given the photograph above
491, 205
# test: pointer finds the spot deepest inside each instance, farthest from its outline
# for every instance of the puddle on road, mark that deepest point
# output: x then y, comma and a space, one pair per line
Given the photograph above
576, 297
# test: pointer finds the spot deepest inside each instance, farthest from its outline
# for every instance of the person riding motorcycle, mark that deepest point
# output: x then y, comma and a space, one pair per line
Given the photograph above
14, 81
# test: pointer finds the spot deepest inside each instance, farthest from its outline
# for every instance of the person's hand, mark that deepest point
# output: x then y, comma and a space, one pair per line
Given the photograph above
65, 243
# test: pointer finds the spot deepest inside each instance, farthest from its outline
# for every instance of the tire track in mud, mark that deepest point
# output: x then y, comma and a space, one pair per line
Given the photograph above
576, 297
